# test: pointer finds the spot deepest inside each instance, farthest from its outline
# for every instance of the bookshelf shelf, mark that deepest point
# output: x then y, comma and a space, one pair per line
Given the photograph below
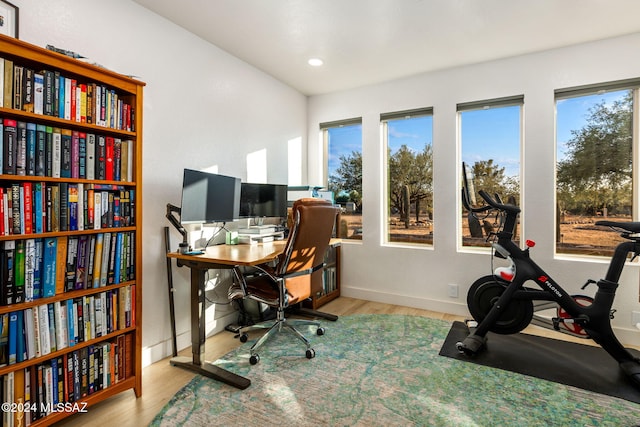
70, 232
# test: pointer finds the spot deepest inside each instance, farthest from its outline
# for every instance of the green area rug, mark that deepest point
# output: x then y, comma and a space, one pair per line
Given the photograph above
382, 370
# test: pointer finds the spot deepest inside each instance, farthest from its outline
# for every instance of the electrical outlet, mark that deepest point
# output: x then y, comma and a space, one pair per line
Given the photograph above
635, 318
453, 291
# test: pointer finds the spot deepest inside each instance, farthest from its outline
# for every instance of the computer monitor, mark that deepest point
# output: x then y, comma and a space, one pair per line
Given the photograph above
209, 198
263, 200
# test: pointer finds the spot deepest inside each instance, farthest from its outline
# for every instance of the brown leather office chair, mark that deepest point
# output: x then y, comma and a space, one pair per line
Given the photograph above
289, 282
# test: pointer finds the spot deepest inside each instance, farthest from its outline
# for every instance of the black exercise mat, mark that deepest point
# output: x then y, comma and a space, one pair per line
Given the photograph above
583, 366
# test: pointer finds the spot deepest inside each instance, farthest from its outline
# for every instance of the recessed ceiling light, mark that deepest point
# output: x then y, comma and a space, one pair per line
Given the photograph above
315, 62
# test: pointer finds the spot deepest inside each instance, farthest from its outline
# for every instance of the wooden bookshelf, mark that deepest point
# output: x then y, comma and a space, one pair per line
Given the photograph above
102, 306
325, 284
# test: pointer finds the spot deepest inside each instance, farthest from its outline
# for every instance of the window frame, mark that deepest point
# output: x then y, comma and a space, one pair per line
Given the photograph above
324, 128
632, 85
488, 104
384, 135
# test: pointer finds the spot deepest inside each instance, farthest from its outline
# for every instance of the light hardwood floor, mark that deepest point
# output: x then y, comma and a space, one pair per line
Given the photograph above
161, 381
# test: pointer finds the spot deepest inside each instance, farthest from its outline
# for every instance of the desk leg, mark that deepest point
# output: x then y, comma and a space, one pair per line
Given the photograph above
196, 363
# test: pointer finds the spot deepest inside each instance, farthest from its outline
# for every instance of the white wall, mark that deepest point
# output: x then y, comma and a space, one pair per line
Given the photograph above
202, 107
419, 277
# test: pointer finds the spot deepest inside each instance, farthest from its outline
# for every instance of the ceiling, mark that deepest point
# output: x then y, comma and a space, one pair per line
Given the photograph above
369, 41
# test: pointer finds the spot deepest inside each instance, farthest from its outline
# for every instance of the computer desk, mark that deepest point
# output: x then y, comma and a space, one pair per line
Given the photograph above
217, 257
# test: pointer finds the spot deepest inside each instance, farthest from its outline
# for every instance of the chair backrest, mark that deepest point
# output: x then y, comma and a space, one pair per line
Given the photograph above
313, 222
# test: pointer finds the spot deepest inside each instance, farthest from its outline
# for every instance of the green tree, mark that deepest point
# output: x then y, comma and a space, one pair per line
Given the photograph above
414, 170
347, 179
597, 171
490, 177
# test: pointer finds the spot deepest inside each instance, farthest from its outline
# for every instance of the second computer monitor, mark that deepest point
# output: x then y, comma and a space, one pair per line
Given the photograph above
263, 200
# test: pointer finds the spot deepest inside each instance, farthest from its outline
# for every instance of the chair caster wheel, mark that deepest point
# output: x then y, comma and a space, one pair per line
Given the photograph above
254, 359
311, 353
320, 331
244, 337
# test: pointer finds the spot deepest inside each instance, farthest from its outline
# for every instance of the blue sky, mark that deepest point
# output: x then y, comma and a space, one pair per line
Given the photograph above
486, 134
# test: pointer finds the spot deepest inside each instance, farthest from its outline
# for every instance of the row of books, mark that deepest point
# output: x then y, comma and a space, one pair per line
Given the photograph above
39, 207
60, 384
31, 269
44, 329
50, 93
30, 149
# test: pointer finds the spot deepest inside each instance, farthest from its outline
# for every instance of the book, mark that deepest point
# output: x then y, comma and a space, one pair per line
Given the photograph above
27, 90
33, 350
71, 323
8, 390
21, 349
63, 194
8, 271
56, 158
21, 148
29, 269
248, 239
37, 268
75, 154
18, 73
1, 82
72, 200
257, 229
4, 339
61, 322
82, 155
27, 207
49, 266
91, 155
19, 292
45, 331
16, 217
31, 149
72, 260
52, 327
38, 93
106, 251
65, 153
48, 150
13, 337
109, 157
61, 262
81, 263
97, 264
8, 84
1, 139
101, 157
41, 150
39, 210
3, 213
10, 134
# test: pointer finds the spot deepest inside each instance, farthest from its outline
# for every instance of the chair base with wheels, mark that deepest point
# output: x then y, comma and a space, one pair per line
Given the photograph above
280, 323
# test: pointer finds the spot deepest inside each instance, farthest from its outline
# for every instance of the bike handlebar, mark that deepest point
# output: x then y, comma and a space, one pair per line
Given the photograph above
491, 204
497, 205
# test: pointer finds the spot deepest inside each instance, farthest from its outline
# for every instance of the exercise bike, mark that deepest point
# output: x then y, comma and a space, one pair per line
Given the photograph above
501, 303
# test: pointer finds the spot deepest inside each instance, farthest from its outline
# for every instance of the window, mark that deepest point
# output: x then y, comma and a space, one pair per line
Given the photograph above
490, 134
594, 165
343, 148
408, 138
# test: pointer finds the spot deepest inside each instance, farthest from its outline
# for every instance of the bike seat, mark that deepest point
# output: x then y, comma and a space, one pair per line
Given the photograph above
630, 226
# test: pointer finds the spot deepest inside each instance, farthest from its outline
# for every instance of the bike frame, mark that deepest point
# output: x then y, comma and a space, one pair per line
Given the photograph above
594, 318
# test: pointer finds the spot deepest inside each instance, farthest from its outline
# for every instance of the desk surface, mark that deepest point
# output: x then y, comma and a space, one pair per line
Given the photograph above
236, 254
239, 254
